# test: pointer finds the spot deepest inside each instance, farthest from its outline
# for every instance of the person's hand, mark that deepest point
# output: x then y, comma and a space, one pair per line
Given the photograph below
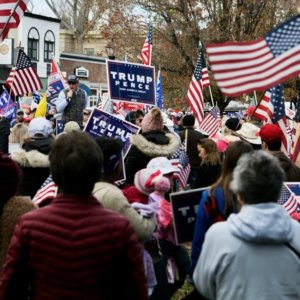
69, 95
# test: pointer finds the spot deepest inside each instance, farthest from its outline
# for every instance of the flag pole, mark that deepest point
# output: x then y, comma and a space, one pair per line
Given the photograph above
257, 104
255, 97
6, 24
211, 96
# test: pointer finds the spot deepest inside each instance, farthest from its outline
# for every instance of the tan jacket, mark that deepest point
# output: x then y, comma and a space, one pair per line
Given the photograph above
111, 197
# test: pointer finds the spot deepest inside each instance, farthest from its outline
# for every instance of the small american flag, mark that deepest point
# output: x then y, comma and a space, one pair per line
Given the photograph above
212, 121
240, 68
199, 81
146, 52
180, 159
272, 110
23, 78
47, 191
11, 13
288, 200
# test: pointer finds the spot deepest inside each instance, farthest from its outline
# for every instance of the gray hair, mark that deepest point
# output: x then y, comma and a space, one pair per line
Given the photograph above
257, 178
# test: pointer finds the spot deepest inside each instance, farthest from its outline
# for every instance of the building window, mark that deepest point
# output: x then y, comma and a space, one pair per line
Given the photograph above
49, 46
48, 69
33, 44
89, 51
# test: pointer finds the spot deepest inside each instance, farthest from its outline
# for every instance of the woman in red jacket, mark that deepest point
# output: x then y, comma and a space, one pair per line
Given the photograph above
74, 248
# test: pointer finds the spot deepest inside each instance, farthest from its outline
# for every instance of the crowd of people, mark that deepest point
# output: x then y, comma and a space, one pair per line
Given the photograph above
99, 239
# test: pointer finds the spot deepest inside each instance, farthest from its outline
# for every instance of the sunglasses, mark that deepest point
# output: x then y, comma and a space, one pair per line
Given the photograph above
72, 83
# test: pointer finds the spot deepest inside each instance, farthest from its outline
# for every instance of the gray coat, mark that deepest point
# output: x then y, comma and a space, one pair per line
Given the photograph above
247, 257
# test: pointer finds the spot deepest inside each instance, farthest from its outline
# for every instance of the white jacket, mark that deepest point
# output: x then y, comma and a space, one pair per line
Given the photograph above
247, 257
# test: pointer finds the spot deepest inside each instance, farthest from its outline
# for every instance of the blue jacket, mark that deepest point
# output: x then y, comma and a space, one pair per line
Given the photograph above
204, 220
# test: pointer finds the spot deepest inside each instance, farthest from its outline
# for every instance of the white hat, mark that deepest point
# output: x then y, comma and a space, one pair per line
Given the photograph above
39, 126
163, 164
249, 132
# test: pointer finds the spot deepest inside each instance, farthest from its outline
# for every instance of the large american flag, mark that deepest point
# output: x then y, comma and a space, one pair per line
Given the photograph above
180, 159
47, 191
199, 81
240, 68
11, 12
272, 110
288, 200
23, 78
212, 121
146, 51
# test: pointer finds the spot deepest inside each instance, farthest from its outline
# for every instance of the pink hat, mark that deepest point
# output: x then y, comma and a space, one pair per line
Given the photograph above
145, 179
153, 120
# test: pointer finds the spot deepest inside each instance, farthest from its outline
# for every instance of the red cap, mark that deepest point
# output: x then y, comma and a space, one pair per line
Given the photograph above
270, 133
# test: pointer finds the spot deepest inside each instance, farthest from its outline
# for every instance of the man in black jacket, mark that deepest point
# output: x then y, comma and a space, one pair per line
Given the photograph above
4, 134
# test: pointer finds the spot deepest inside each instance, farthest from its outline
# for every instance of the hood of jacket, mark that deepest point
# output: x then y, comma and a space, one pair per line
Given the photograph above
159, 145
259, 223
33, 158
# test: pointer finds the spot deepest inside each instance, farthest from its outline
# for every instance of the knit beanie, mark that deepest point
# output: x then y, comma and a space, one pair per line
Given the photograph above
188, 120
233, 124
10, 177
71, 126
153, 120
145, 179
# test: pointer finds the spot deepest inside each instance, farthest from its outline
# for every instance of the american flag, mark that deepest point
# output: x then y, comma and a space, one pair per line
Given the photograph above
47, 191
240, 68
212, 121
119, 108
11, 12
23, 78
272, 110
288, 200
295, 149
146, 52
180, 159
199, 81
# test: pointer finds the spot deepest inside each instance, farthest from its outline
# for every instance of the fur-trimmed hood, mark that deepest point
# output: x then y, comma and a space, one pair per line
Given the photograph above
33, 158
152, 149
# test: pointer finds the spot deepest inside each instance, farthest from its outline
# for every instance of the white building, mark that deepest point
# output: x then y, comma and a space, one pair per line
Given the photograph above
39, 37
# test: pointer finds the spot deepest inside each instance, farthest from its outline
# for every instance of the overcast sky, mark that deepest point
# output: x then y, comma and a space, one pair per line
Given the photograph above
40, 7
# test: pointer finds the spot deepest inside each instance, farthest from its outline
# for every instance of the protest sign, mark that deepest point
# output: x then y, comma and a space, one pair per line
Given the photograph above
59, 127
184, 207
7, 108
101, 123
131, 82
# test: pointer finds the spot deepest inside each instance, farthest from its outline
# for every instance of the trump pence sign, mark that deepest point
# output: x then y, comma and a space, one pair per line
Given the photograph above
131, 82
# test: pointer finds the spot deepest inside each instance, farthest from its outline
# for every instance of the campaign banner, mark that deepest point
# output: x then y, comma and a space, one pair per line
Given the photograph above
131, 82
101, 123
7, 107
55, 85
184, 207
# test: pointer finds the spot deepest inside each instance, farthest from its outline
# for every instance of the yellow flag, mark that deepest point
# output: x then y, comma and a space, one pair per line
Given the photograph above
42, 108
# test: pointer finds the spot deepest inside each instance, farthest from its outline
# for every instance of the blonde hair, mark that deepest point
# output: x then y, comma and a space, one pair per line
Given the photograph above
18, 133
212, 155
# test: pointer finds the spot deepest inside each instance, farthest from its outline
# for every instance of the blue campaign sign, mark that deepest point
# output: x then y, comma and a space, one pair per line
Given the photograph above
101, 123
59, 128
184, 207
131, 82
7, 108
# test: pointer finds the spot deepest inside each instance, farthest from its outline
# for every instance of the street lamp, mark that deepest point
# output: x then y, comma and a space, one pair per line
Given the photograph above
110, 50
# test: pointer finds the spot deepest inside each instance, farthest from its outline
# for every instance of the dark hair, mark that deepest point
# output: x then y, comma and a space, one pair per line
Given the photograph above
274, 146
232, 154
112, 149
133, 115
75, 163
